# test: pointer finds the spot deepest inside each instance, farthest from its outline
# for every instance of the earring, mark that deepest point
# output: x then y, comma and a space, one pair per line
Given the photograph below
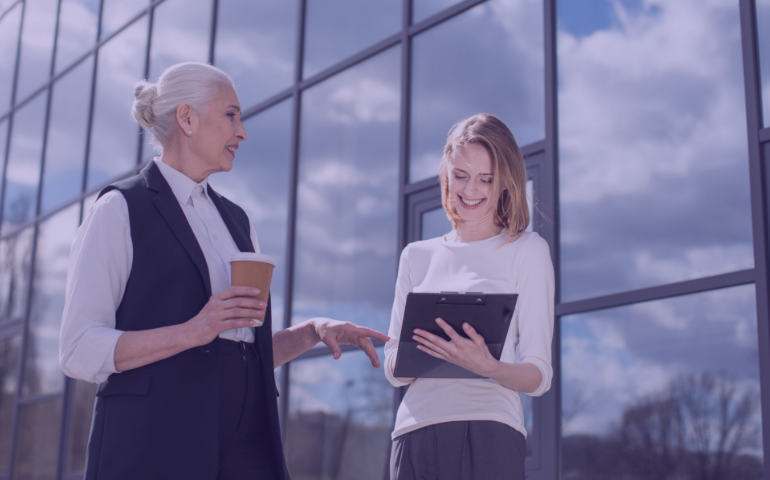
189, 132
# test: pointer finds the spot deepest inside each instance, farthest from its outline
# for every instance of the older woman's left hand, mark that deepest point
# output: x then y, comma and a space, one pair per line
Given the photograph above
469, 353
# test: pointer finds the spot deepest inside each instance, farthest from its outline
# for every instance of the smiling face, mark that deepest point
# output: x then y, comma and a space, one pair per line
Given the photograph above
219, 131
470, 184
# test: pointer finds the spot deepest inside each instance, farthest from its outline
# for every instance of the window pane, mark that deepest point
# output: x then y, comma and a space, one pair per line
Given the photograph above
23, 170
42, 373
37, 444
653, 153
348, 192
116, 13
81, 413
37, 37
256, 42
78, 20
9, 364
340, 418
645, 388
67, 127
488, 59
9, 40
16, 255
115, 136
338, 29
434, 224
180, 33
763, 32
422, 9
259, 183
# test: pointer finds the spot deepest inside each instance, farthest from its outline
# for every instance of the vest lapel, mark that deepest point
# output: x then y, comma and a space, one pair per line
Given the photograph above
169, 208
241, 237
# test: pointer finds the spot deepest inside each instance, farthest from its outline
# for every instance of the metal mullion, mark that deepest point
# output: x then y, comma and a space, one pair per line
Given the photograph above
3, 14
293, 191
150, 21
443, 16
759, 213
9, 115
213, 37
268, 103
687, 287
42, 398
23, 350
91, 108
360, 57
764, 135
548, 406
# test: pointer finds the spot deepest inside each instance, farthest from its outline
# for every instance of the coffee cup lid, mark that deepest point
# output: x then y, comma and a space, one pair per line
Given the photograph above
253, 257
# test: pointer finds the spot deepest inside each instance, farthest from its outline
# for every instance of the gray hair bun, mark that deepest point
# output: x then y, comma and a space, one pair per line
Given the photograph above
145, 94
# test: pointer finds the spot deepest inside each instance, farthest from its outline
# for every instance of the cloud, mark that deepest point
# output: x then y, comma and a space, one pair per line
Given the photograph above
653, 154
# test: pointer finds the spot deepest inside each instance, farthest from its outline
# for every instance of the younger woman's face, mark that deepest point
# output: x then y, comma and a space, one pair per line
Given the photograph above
470, 183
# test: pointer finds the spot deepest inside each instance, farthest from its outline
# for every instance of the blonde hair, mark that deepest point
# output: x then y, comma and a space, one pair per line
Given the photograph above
509, 181
155, 104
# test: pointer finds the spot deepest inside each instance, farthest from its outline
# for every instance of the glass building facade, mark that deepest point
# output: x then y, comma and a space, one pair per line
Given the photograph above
644, 125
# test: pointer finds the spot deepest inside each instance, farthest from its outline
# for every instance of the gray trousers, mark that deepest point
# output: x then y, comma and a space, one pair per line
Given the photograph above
474, 450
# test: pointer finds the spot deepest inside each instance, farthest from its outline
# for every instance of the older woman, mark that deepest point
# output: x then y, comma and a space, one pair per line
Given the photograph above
474, 428
186, 384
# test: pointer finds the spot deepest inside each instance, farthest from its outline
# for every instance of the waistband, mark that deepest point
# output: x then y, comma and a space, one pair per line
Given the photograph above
236, 348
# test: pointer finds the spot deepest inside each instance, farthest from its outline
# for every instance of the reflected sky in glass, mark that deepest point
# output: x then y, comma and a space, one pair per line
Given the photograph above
422, 9
340, 418
66, 145
42, 373
37, 443
9, 362
256, 43
763, 34
338, 29
78, 21
653, 156
627, 370
116, 13
434, 223
488, 59
259, 183
345, 264
37, 37
81, 411
9, 39
16, 256
115, 135
23, 170
180, 33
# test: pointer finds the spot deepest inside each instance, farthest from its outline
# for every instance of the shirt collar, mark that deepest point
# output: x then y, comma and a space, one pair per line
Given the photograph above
180, 184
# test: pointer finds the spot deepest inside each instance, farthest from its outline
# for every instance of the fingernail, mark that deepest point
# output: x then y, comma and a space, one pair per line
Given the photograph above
256, 323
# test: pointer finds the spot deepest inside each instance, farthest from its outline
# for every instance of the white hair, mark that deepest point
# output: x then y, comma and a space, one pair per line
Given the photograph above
155, 104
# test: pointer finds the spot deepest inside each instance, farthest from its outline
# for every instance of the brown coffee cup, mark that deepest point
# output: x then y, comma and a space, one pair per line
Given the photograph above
253, 270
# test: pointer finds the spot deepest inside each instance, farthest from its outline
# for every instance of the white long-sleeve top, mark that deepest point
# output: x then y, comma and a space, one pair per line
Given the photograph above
100, 263
443, 264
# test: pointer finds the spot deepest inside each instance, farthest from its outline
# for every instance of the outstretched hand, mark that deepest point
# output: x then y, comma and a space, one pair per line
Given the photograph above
335, 333
469, 353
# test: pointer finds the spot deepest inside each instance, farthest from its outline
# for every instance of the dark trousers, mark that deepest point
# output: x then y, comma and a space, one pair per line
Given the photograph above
244, 440
474, 450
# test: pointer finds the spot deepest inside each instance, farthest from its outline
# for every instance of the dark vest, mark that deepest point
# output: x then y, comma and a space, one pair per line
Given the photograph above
160, 421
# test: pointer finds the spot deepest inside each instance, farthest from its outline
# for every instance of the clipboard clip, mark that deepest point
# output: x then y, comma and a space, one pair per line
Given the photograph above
461, 298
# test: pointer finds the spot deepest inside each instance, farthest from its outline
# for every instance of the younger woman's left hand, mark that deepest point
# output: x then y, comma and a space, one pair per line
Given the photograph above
469, 353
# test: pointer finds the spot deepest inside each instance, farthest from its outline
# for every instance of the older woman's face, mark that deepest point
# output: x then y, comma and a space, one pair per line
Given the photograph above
220, 130
470, 183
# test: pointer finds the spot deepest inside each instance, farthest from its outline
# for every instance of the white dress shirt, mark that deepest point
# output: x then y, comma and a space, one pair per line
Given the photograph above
100, 263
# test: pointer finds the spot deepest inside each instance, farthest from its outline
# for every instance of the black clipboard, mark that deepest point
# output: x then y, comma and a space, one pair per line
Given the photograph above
489, 313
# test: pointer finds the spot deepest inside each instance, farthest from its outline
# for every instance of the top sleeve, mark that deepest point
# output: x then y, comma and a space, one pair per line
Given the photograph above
99, 266
403, 287
535, 285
